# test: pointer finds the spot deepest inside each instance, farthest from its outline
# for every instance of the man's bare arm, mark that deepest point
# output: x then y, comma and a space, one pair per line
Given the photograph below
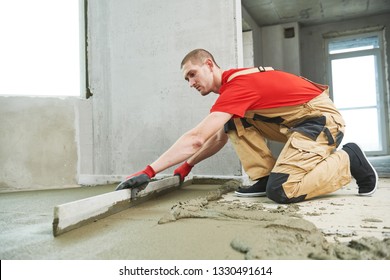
211, 147
192, 142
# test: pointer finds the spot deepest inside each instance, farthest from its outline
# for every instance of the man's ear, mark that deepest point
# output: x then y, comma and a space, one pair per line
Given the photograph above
209, 63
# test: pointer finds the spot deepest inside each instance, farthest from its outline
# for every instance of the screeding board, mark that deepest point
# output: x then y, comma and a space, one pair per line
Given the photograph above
78, 213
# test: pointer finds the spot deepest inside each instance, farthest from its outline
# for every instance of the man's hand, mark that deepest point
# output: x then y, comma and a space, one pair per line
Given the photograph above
183, 171
137, 180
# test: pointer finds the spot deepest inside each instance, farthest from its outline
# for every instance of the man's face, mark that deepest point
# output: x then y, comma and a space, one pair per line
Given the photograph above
198, 76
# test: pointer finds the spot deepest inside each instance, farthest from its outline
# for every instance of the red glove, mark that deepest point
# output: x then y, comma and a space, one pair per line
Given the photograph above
138, 180
183, 170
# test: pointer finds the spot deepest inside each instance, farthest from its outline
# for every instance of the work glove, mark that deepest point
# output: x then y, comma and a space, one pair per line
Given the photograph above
183, 171
137, 180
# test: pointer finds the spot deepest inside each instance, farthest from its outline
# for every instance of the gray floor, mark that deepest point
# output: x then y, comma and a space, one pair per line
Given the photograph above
26, 232
26, 219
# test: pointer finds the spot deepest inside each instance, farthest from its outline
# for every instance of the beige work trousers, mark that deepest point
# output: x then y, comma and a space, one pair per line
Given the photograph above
309, 164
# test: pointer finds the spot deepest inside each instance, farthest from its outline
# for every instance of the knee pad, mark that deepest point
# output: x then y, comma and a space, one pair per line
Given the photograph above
275, 189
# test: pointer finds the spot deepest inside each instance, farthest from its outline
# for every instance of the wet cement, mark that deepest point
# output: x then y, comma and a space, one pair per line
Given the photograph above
277, 234
200, 222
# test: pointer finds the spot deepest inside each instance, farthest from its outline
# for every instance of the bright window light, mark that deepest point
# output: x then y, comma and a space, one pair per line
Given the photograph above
347, 91
39, 53
355, 85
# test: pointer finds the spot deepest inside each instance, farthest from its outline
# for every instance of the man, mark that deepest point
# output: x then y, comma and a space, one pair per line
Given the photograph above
257, 104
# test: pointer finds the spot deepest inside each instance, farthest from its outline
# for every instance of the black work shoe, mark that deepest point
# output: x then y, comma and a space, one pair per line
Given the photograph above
361, 169
257, 189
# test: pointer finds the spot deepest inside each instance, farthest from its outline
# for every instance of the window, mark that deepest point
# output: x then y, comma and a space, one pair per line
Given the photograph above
356, 76
40, 49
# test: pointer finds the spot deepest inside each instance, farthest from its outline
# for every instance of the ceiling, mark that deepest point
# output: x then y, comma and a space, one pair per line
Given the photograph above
309, 12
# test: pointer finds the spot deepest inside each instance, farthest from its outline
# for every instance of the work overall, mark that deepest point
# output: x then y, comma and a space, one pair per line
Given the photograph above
308, 165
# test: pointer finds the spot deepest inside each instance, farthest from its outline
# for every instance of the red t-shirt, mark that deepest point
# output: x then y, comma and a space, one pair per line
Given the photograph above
262, 90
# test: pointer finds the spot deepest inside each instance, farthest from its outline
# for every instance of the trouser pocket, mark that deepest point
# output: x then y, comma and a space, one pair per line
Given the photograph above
301, 153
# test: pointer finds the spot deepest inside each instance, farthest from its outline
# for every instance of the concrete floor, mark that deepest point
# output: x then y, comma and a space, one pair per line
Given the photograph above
26, 225
344, 216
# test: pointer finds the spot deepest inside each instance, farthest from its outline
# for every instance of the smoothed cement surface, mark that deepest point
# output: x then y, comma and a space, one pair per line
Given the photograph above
202, 222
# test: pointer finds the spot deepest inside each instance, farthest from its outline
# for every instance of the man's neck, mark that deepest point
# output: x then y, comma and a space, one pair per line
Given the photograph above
218, 79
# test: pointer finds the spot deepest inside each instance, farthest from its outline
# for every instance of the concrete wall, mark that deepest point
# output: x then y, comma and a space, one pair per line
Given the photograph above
140, 105
280, 52
256, 36
248, 54
38, 143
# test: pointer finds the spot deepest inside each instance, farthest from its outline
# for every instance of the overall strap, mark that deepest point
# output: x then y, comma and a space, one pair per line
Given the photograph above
250, 71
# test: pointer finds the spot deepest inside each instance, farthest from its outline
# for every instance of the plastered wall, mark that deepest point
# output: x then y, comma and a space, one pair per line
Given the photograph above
141, 103
38, 144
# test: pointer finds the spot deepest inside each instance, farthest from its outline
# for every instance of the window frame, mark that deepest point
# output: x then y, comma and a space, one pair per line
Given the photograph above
381, 94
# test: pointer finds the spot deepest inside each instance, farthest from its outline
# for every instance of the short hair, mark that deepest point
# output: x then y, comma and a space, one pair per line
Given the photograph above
197, 55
